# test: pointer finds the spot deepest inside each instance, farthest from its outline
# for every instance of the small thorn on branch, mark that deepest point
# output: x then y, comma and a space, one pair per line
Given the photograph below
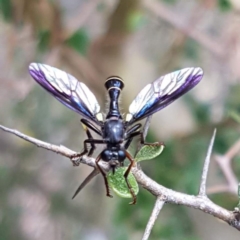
202, 189
156, 210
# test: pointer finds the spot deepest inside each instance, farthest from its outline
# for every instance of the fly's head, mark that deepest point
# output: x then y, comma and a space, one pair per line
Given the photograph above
114, 157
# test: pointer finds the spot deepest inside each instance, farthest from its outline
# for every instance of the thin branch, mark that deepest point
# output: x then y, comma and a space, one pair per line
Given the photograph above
81, 64
233, 151
165, 13
166, 195
218, 189
202, 189
54, 148
156, 210
225, 165
78, 20
224, 162
173, 197
62, 150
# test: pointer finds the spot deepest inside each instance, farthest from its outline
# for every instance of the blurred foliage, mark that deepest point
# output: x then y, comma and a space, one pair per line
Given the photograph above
79, 41
44, 38
136, 20
191, 49
224, 5
170, 1
6, 7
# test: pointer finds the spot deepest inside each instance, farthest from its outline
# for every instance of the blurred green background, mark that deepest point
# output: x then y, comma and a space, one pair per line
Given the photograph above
139, 41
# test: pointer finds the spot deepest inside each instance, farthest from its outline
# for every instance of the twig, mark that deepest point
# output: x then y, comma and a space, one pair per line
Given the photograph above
233, 151
156, 210
225, 165
202, 189
54, 148
166, 195
218, 189
173, 197
79, 19
224, 162
170, 17
81, 64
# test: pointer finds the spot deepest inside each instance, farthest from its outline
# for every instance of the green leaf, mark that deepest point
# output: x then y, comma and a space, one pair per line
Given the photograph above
118, 184
170, 1
191, 49
44, 38
235, 116
148, 152
6, 9
135, 20
224, 5
79, 41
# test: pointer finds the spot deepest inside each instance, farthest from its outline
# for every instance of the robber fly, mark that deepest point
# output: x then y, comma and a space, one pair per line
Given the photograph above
116, 133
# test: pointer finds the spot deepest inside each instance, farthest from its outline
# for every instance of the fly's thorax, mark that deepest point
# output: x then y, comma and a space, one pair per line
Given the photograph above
113, 131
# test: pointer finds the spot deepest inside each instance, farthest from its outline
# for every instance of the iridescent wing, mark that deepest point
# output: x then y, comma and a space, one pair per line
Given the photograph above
160, 93
66, 89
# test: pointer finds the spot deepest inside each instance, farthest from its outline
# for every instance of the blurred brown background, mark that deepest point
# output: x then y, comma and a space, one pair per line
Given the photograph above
139, 41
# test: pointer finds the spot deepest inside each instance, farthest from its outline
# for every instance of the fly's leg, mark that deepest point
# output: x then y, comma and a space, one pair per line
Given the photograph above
130, 137
86, 126
126, 177
75, 158
93, 147
104, 176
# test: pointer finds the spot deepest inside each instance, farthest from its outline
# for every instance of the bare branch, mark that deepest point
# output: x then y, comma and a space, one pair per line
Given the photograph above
170, 17
54, 148
170, 196
165, 194
224, 162
156, 210
202, 189
233, 151
79, 19
218, 189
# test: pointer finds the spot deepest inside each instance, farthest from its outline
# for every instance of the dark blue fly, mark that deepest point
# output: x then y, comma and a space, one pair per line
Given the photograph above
116, 133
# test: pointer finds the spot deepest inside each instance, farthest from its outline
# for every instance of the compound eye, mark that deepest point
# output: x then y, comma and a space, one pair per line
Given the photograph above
106, 155
121, 155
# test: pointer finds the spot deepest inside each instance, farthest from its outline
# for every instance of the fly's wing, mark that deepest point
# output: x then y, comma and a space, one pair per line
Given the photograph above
66, 89
160, 93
